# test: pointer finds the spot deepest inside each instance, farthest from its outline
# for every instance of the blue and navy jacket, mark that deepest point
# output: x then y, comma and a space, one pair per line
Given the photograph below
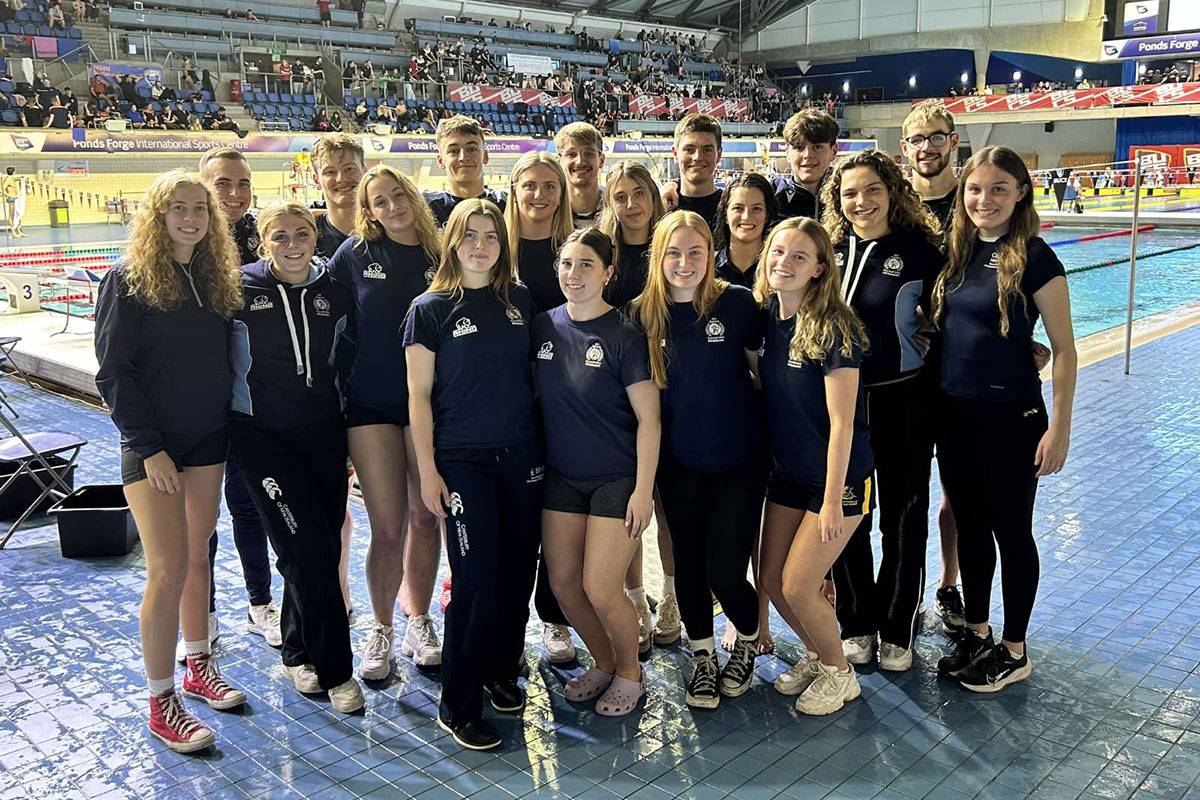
161, 372
290, 349
442, 203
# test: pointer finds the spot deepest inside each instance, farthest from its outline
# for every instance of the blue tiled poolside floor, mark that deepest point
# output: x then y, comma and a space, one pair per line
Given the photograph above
1111, 710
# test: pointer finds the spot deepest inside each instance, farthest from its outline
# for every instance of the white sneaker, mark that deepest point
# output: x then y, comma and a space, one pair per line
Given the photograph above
264, 621
859, 649
214, 633
799, 677
304, 677
645, 626
377, 655
421, 642
347, 697
559, 647
668, 627
894, 657
831, 690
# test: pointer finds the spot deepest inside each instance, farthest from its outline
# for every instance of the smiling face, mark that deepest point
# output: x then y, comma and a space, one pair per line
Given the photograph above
582, 163
290, 243
685, 262
186, 218
479, 249
697, 156
581, 273
538, 193
792, 261
338, 174
389, 205
633, 205
462, 155
746, 214
810, 161
927, 159
229, 178
990, 195
864, 201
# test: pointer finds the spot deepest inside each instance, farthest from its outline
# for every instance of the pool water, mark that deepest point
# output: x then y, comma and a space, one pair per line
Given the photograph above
1099, 296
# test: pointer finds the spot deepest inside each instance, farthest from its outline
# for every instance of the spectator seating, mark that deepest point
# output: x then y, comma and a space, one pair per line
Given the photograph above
273, 12
245, 29
296, 111
501, 118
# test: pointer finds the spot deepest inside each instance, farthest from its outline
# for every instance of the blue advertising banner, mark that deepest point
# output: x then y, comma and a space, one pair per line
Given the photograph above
1166, 46
109, 71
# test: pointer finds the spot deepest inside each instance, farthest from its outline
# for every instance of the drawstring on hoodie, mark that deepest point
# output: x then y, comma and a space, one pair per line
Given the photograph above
187, 270
855, 269
303, 362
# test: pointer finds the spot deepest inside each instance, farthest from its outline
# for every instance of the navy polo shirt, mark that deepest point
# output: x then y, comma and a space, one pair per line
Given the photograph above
727, 270
630, 278
536, 269
704, 206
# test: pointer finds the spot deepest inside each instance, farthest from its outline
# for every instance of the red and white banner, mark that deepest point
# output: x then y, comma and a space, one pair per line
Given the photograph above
1157, 94
677, 106
1166, 156
495, 94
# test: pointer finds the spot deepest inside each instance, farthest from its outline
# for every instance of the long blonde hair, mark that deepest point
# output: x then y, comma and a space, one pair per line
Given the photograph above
823, 319
652, 308
368, 230
906, 212
1010, 264
448, 277
149, 270
561, 225
608, 219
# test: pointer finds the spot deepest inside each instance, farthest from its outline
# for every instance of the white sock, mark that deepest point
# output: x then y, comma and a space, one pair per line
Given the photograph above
200, 648
707, 645
751, 638
161, 685
1015, 655
668, 584
638, 596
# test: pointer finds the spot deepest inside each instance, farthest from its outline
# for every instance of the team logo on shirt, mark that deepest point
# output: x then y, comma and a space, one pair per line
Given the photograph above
594, 356
839, 259
849, 496
261, 303
893, 266
375, 270
546, 351
463, 327
514, 316
429, 273
536, 474
715, 330
321, 305
456, 504
993, 261
271, 487
796, 363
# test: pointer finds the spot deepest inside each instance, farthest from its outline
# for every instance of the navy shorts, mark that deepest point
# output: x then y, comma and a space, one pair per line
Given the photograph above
358, 415
186, 451
857, 498
604, 498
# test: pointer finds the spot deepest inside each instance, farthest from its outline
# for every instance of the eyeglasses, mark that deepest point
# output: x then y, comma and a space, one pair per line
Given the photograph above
936, 139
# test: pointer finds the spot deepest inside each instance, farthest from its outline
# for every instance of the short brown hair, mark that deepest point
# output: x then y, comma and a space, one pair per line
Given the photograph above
336, 143
926, 112
698, 123
222, 152
459, 123
579, 133
812, 126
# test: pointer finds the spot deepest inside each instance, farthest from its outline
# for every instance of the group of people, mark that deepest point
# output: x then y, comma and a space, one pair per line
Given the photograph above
552, 368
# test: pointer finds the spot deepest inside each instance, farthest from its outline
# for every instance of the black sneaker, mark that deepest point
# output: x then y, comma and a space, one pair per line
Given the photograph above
475, 735
968, 650
702, 691
949, 606
506, 696
997, 670
739, 669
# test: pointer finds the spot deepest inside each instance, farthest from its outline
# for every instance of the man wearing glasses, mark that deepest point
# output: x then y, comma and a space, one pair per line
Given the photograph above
929, 141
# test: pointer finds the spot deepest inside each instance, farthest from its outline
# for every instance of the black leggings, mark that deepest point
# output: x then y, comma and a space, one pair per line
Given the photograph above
985, 456
250, 539
713, 518
897, 414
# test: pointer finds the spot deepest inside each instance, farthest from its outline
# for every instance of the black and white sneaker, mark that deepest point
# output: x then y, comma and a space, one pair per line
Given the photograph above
739, 669
949, 606
506, 696
702, 691
996, 670
969, 649
476, 735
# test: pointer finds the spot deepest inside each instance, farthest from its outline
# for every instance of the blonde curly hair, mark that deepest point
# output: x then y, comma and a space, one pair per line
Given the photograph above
149, 269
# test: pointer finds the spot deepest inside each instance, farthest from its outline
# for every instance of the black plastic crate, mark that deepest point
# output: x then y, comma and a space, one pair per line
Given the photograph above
25, 489
95, 521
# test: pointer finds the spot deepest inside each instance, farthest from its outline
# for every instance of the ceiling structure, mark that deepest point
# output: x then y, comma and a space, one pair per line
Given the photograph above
729, 16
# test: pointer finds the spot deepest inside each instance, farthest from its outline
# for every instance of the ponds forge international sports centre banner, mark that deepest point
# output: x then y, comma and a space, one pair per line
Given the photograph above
1156, 94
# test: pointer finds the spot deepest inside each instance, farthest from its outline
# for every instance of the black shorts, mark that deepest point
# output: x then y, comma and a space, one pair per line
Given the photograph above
186, 451
605, 498
857, 498
358, 415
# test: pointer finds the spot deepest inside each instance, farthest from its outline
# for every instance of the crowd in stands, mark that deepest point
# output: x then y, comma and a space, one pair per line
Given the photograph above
1174, 74
56, 15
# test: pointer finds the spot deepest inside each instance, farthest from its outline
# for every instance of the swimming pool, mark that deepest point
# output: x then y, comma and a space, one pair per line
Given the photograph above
1099, 296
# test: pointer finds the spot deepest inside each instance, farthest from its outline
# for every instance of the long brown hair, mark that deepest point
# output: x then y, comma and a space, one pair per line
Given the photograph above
823, 319
747, 180
608, 219
562, 224
651, 308
149, 270
906, 212
1023, 226
448, 277
368, 230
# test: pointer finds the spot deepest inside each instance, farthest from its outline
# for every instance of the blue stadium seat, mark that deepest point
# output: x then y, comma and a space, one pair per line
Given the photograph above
23, 16
273, 97
9, 118
285, 98
296, 124
206, 94
13, 28
135, 116
257, 110
310, 99
45, 30
186, 106
37, 16
75, 33
29, 29
6, 86
155, 106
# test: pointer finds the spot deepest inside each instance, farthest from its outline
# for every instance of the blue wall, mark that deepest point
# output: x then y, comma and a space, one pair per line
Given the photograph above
1156, 131
936, 72
1045, 68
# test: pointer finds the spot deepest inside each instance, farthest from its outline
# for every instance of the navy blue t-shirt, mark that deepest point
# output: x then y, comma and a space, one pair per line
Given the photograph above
729, 271
630, 278
796, 407
329, 238
483, 381
704, 206
977, 361
384, 278
709, 419
536, 269
582, 370
442, 203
